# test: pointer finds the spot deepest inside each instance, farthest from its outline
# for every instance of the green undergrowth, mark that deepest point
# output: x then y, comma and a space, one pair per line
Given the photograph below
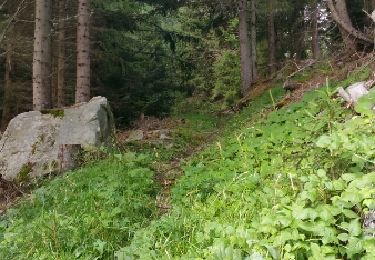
86, 214
196, 129
292, 184
95, 211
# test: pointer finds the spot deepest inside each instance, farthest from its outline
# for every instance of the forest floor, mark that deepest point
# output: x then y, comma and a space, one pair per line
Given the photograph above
288, 177
173, 141
9, 192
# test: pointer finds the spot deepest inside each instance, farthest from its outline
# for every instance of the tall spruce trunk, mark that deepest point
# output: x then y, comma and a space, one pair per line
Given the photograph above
8, 96
253, 41
245, 48
340, 15
349, 34
271, 38
61, 54
342, 11
315, 31
83, 52
42, 56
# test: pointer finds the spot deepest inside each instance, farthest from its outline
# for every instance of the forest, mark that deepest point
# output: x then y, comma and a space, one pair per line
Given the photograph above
187, 129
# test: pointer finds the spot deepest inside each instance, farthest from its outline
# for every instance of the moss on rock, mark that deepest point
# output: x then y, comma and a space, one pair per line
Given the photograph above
24, 173
56, 113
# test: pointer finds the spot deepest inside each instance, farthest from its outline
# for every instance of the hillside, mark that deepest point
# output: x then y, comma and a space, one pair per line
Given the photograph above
265, 183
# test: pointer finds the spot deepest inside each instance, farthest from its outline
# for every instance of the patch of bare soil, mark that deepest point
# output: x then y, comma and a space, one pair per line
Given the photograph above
316, 81
155, 131
148, 128
166, 174
153, 123
9, 193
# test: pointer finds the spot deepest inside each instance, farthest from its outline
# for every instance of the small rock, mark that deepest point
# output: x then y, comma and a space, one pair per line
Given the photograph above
357, 90
169, 146
164, 135
136, 135
369, 223
292, 85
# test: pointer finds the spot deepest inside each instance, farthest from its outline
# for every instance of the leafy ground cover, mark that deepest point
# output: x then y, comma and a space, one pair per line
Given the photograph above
95, 211
293, 183
83, 215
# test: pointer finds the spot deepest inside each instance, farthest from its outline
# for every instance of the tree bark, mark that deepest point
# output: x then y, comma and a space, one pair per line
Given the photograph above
373, 5
69, 156
42, 56
83, 53
61, 54
315, 31
342, 13
271, 38
8, 96
245, 48
253, 41
349, 33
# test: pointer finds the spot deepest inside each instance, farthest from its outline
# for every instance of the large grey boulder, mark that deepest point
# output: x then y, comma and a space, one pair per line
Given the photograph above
90, 124
28, 146
31, 145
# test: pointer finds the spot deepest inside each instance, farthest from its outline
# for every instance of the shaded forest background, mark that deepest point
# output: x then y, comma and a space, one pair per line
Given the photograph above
149, 55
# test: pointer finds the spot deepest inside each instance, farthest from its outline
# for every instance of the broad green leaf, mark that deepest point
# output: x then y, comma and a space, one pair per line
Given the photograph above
343, 237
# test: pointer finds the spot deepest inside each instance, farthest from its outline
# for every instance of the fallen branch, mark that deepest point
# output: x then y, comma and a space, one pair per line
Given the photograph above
371, 16
342, 93
307, 65
11, 19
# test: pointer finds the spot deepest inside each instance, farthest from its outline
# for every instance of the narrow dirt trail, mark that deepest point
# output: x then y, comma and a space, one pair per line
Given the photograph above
151, 133
168, 173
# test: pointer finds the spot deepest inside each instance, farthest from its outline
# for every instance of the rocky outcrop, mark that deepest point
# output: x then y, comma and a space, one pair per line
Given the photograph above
89, 124
32, 143
28, 146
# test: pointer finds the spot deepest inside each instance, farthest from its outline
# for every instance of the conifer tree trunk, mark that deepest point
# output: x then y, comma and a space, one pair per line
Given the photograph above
348, 32
342, 11
253, 40
271, 38
315, 31
373, 5
83, 53
7, 103
42, 56
61, 54
245, 48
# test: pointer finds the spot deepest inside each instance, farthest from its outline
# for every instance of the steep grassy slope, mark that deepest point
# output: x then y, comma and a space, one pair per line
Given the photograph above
95, 211
82, 215
293, 183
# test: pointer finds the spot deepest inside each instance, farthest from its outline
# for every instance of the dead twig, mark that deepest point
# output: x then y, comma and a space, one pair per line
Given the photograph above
308, 64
